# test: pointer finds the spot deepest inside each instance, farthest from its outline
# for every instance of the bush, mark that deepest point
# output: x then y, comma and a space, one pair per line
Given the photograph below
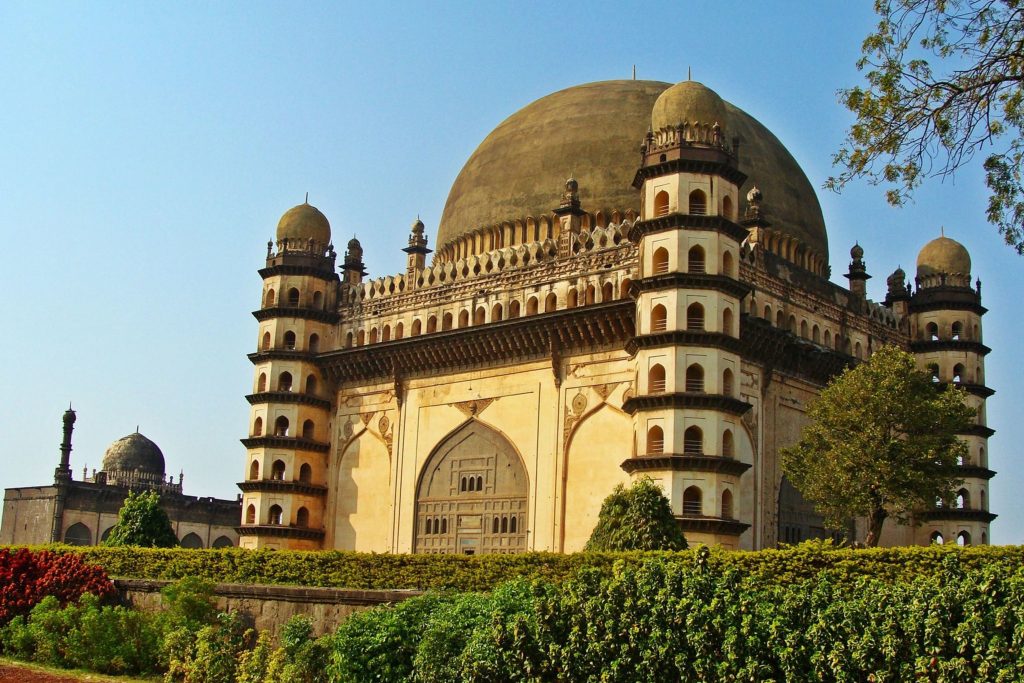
26, 577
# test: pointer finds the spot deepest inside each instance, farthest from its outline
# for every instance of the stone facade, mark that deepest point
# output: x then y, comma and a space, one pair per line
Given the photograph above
489, 401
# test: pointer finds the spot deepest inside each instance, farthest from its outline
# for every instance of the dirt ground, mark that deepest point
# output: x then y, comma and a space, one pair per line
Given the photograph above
14, 673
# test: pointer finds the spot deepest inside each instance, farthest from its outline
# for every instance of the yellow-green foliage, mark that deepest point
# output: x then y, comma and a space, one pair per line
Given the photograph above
483, 572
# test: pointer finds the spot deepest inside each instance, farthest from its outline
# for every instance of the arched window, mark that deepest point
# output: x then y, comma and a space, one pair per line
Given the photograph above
695, 259
572, 298
261, 384
268, 301
277, 470
698, 203
695, 378
307, 429
311, 385
284, 381
373, 335
254, 470
936, 538
656, 379
727, 264
958, 329
479, 316
963, 539
305, 473
728, 448
257, 427
804, 330
661, 204
695, 317
693, 441
318, 299
399, 330
250, 514
958, 373
276, 516
655, 440
816, 334
289, 340
281, 426
931, 331
265, 346
293, 297
659, 262
550, 303
963, 499
446, 321
513, 309
659, 319
693, 504
727, 504
727, 382
607, 294
531, 306
727, 322
314, 343
302, 518
432, 324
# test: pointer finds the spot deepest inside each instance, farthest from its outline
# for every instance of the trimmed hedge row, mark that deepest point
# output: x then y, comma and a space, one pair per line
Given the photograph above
484, 572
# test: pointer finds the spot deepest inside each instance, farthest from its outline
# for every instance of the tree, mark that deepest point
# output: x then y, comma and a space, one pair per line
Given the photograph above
881, 443
637, 518
945, 81
142, 522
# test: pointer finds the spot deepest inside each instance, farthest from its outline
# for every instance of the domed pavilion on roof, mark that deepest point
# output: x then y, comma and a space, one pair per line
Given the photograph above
629, 279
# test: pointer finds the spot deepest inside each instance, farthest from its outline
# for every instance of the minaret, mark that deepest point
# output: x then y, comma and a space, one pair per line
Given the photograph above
286, 466
687, 406
62, 477
946, 333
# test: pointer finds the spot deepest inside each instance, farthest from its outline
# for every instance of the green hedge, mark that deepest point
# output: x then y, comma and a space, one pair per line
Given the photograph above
483, 572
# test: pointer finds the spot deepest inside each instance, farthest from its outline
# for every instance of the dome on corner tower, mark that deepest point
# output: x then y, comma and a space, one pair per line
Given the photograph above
595, 131
943, 256
134, 453
304, 222
690, 102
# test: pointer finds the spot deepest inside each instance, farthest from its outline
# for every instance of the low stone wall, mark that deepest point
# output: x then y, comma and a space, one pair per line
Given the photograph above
269, 607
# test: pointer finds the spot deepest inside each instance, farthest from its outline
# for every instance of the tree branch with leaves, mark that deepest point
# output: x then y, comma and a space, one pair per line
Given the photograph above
944, 84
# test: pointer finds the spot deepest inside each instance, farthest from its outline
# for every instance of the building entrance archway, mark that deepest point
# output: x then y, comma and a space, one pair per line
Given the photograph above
472, 495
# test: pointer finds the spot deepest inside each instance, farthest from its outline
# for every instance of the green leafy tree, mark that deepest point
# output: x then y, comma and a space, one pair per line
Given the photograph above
142, 522
945, 81
881, 443
637, 518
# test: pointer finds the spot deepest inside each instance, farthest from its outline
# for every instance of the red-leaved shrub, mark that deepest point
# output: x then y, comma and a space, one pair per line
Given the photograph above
26, 577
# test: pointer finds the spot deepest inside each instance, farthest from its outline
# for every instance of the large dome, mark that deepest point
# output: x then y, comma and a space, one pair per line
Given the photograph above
134, 453
594, 131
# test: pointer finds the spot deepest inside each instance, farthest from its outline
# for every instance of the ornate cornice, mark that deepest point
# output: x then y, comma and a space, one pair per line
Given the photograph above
300, 312
685, 463
695, 400
718, 283
686, 221
288, 397
295, 443
280, 531
596, 327
281, 486
949, 345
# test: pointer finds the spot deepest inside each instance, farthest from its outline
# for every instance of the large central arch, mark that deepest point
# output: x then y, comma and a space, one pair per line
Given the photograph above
472, 495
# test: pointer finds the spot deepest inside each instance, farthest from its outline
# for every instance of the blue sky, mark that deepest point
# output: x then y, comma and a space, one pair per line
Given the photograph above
147, 151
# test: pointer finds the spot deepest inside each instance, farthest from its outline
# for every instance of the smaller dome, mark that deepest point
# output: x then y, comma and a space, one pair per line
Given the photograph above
304, 222
134, 453
691, 102
943, 255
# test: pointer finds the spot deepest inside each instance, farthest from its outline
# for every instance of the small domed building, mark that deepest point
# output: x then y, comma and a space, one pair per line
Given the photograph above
665, 312
83, 511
